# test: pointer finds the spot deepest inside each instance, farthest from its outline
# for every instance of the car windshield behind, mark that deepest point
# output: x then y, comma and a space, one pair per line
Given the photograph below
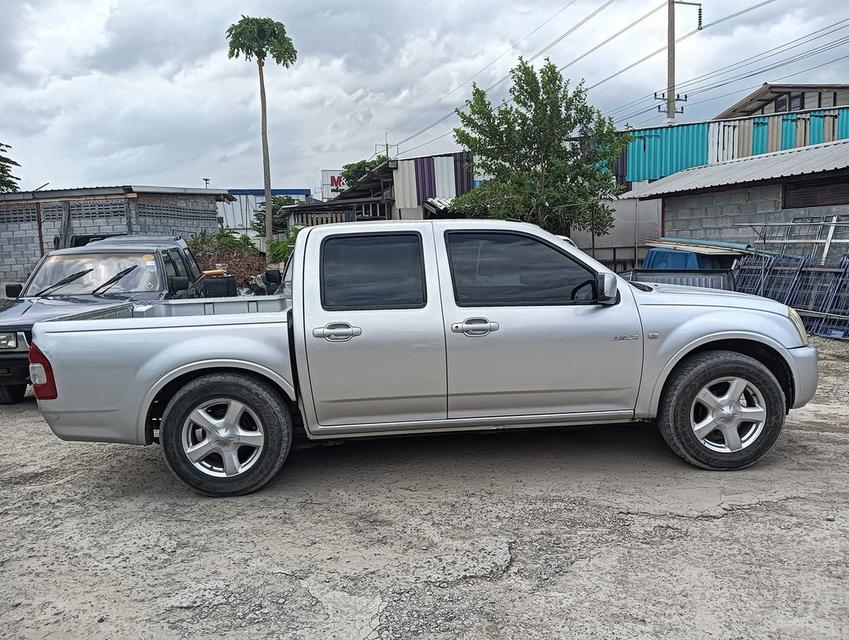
100, 267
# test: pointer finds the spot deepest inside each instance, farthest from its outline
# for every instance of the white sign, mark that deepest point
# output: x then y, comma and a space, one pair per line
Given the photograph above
332, 183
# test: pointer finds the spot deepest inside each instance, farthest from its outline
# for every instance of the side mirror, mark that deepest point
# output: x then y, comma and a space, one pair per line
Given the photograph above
14, 290
273, 276
606, 286
179, 283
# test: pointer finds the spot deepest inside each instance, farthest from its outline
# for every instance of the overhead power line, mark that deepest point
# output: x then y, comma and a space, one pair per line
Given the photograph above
684, 37
789, 75
614, 36
782, 48
833, 45
749, 88
630, 66
542, 51
775, 65
492, 62
655, 113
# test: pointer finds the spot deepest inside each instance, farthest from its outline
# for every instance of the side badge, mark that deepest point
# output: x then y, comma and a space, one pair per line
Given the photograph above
633, 336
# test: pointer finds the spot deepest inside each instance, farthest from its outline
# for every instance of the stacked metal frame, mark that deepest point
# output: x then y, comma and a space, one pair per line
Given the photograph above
819, 293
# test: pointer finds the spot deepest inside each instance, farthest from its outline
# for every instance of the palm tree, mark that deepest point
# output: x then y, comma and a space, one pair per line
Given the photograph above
259, 38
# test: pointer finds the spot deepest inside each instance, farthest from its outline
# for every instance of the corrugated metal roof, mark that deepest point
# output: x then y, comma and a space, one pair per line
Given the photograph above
768, 92
791, 162
117, 190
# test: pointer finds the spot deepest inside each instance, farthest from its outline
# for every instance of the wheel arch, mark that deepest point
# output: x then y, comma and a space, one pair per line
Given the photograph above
761, 348
167, 386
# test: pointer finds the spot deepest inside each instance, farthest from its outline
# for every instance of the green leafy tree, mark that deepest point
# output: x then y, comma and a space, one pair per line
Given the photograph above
260, 38
280, 250
279, 215
8, 182
546, 154
356, 170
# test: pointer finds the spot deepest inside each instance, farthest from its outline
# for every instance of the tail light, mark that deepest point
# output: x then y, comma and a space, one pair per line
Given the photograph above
41, 375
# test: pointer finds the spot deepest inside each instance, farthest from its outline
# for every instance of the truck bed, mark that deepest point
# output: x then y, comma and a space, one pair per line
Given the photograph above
105, 390
705, 278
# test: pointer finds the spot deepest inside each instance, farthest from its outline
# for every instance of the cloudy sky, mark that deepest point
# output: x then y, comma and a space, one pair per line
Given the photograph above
101, 92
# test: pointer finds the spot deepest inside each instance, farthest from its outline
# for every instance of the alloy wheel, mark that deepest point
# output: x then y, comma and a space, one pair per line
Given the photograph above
728, 414
223, 437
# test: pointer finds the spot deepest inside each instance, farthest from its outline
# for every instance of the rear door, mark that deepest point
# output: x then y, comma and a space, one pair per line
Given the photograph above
195, 274
174, 266
374, 340
524, 335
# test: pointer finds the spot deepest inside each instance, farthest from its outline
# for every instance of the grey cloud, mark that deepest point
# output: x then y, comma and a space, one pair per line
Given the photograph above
153, 98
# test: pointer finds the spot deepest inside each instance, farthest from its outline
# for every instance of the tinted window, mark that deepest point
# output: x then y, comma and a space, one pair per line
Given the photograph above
193, 264
505, 269
178, 262
377, 271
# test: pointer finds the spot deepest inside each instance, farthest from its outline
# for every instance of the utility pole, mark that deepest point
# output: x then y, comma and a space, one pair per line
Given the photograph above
670, 61
384, 148
670, 97
38, 222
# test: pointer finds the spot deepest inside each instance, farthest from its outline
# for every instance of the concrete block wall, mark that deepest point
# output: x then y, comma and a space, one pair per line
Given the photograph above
719, 215
738, 215
183, 215
19, 249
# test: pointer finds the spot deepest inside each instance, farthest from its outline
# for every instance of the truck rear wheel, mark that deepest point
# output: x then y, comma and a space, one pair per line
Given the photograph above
226, 434
12, 393
721, 410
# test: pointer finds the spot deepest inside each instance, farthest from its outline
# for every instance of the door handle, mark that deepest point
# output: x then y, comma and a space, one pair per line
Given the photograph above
474, 327
337, 332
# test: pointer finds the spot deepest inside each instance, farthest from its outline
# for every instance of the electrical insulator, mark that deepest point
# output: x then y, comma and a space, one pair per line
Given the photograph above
700, 18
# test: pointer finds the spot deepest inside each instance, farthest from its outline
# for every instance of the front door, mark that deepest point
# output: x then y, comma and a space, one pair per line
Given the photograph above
373, 326
523, 334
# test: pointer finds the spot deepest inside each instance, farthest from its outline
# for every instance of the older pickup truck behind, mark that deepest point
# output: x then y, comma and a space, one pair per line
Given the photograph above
412, 327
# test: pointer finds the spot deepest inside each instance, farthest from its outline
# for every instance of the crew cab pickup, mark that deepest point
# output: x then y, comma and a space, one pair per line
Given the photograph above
77, 279
388, 328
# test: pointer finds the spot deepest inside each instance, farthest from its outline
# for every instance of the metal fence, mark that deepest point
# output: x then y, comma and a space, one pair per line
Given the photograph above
820, 293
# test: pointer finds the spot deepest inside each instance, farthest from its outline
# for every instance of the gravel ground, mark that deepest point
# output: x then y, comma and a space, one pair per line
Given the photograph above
590, 532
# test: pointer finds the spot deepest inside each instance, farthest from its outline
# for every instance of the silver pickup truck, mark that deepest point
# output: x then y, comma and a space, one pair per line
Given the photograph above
412, 327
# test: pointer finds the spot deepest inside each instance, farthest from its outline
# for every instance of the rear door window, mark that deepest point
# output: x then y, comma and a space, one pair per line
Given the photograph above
177, 261
374, 271
194, 269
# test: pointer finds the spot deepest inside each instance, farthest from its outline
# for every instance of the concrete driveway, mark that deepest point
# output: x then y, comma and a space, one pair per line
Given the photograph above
596, 532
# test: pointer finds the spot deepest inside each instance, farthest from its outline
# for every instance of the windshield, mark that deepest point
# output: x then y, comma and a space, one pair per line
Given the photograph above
98, 268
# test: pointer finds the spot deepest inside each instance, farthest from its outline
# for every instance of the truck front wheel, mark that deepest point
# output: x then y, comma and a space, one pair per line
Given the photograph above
226, 434
721, 410
12, 393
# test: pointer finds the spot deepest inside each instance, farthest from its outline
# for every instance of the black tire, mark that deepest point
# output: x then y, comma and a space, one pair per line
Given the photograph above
261, 398
12, 393
676, 403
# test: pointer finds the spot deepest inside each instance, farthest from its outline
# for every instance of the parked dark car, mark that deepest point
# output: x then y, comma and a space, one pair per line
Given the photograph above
65, 281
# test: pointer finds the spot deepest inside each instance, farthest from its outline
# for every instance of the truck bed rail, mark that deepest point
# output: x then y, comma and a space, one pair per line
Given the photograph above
194, 307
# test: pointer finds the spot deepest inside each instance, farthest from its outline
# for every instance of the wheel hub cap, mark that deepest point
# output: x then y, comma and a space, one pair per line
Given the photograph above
728, 414
223, 437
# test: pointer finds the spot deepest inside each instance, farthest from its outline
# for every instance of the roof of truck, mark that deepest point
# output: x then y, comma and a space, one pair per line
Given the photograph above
459, 222
150, 241
138, 244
